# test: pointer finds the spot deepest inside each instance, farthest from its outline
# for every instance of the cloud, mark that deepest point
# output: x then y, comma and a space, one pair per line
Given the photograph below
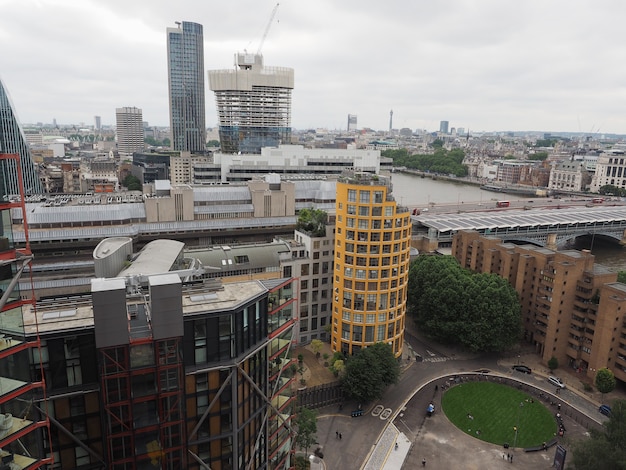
482, 65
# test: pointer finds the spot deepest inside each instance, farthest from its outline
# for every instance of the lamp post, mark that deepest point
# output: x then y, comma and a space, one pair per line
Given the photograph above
516, 427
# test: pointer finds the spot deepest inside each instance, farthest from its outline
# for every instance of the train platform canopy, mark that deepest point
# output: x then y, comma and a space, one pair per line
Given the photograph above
512, 218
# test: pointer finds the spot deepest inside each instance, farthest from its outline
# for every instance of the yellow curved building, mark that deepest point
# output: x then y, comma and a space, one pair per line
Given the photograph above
372, 244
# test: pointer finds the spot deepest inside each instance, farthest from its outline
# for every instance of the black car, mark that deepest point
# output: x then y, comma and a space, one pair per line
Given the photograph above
521, 368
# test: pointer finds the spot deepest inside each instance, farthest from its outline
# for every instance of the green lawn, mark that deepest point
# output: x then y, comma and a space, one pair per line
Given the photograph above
495, 411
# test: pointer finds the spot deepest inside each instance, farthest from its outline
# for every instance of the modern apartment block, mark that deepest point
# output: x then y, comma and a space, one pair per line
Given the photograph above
150, 371
572, 308
12, 141
372, 256
253, 104
310, 261
24, 425
129, 129
185, 71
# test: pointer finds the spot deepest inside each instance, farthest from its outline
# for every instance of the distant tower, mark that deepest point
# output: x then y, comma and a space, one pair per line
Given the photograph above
185, 71
443, 127
390, 120
351, 122
97, 123
12, 140
253, 104
129, 130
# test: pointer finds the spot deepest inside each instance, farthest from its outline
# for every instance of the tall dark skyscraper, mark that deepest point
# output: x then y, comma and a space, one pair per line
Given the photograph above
185, 67
12, 140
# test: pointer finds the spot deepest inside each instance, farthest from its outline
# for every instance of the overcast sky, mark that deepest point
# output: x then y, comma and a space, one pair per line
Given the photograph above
553, 65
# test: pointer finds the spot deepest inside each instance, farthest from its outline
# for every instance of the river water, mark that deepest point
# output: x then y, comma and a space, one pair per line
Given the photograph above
414, 191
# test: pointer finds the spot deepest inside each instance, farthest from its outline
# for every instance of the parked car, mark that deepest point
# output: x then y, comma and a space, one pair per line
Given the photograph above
605, 410
521, 368
556, 381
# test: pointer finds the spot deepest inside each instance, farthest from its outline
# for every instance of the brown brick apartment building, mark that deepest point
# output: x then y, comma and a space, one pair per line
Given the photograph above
572, 308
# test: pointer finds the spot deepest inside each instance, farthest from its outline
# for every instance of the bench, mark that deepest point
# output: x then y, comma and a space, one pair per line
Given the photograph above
542, 447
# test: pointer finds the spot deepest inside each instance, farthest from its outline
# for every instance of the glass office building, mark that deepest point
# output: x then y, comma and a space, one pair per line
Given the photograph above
12, 141
185, 68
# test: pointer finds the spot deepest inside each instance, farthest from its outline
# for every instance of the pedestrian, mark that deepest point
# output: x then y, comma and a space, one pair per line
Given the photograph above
340, 436
423, 462
336, 434
511, 458
502, 456
508, 456
559, 406
396, 446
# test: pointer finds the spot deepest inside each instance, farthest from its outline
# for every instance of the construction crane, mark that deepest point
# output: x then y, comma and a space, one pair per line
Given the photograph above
267, 28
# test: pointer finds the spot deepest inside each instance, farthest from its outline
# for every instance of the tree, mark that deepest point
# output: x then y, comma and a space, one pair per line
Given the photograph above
312, 221
605, 380
316, 346
132, 183
369, 372
539, 156
452, 305
605, 449
213, 143
441, 161
553, 363
621, 277
306, 424
338, 366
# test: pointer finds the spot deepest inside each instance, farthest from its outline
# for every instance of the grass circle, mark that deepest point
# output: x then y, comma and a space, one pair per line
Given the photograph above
495, 413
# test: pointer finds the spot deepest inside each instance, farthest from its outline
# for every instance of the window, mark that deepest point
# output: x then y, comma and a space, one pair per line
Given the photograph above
364, 211
304, 284
378, 197
304, 270
287, 271
72, 361
241, 259
352, 195
364, 197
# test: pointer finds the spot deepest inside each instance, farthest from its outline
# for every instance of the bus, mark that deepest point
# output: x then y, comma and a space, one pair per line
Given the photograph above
503, 204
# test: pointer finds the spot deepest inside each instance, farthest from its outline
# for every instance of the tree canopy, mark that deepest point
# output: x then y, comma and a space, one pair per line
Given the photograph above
605, 449
612, 190
369, 372
441, 161
481, 312
132, 183
605, 380
306, 422
312, 221
540, 156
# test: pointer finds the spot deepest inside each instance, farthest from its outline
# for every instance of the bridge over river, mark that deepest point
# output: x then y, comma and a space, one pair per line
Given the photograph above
549, 227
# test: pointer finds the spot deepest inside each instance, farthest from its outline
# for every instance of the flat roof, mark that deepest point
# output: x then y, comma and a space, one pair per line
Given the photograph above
76, 313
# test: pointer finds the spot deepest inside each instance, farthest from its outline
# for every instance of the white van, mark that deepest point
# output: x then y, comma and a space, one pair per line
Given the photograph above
556, 381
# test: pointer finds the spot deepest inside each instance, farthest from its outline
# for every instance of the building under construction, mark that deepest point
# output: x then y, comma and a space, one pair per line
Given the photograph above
253, 104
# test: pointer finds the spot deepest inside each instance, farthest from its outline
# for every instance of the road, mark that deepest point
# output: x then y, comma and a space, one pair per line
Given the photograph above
405, 404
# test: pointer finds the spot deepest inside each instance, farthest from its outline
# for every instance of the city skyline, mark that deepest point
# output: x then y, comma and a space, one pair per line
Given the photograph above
481, 66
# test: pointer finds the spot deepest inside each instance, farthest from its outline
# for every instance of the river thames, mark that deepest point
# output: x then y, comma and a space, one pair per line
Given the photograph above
416, 192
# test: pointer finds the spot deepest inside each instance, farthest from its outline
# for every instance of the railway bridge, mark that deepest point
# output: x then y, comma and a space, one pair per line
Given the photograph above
551, 228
